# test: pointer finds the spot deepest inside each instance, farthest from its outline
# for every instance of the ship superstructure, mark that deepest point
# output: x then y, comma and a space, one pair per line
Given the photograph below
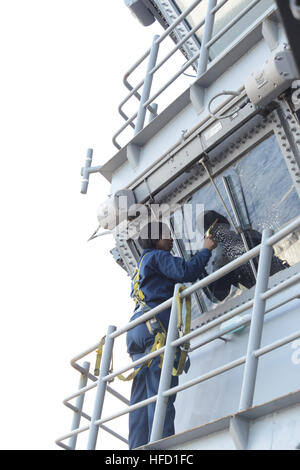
227, 140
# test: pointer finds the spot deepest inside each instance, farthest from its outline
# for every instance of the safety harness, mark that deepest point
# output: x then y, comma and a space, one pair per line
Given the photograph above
156, 327
137, 293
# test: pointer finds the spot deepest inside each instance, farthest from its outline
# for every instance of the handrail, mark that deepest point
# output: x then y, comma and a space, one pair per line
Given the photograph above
185, 38
207, 327
205, 46
190, 290
133, 90
234, 20
268, 241
161, 38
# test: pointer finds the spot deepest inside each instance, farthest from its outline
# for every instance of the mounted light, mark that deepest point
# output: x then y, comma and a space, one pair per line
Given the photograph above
276, 76
140, 11
115, 209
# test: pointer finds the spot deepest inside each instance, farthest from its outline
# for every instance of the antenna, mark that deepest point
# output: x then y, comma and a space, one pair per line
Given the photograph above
86, 170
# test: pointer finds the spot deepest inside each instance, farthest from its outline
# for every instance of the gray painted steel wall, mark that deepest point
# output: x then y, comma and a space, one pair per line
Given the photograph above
278, 371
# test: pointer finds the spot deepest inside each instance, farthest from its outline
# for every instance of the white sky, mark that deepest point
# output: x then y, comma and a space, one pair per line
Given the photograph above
62, 63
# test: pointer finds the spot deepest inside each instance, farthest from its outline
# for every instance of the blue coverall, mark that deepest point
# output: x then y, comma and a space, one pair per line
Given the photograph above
159, 273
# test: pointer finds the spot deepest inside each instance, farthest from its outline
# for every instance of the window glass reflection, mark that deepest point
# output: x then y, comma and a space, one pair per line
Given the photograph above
261, 194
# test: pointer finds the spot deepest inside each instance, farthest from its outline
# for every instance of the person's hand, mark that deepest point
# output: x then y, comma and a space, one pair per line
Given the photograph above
209, 243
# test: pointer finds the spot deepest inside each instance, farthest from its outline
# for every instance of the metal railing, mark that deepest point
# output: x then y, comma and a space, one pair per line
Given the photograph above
250, 359
208, 40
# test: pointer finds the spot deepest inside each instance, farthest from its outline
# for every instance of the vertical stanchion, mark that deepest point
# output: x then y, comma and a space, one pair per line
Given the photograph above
101, 388
257, 321
79, 404
207, 35
166, 373
197, 91
147, 85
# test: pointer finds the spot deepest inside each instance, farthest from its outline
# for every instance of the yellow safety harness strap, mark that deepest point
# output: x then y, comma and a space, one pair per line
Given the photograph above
187, 327
159, 342
138, 294
99, 356
156, 320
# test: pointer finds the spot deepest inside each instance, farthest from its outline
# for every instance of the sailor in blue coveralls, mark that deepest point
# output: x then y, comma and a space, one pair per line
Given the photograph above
159, 273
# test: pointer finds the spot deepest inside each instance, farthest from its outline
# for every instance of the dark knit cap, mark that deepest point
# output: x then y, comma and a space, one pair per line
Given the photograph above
211, 216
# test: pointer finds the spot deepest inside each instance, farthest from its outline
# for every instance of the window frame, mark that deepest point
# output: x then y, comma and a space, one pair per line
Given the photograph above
270, 125
281, 123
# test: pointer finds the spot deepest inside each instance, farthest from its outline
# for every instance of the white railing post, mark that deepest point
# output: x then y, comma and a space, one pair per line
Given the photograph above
79, 404
257, 321
207, 35
147, 86
166, 373
101, 388
196, 91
